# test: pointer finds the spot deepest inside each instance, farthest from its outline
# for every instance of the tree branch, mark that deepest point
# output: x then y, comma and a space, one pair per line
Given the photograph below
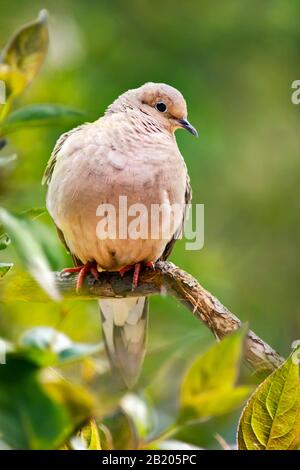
165, 279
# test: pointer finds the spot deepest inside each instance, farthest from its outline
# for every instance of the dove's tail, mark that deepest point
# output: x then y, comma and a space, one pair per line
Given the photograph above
124, 324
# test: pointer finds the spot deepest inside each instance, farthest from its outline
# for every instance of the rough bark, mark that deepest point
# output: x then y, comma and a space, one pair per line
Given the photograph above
166, 279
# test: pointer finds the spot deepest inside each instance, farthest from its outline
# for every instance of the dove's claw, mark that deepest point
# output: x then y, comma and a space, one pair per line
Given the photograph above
124, 270
136, 275
94, 272
72, 270
137, 269
150, 265
83, 271
86, 269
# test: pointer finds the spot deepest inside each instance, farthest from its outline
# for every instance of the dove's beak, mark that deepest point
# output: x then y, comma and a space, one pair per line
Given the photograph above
184, 123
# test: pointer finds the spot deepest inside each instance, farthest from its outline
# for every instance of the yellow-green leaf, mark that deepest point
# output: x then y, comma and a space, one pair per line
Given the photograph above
36, 115
271, 418
122, 429
208, 388
29, 249
6, 160
46, 346
24, 55
3, 142
4, 268
4, 240
75, 399
35, 414
141, 412
89, 434
31, 214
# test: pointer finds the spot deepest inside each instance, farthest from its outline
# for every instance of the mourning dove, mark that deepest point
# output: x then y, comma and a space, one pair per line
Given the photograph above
130, 152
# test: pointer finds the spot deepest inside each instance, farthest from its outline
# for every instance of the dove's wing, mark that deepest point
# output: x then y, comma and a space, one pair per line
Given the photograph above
54, 155
47, 178
187, 200
61, 236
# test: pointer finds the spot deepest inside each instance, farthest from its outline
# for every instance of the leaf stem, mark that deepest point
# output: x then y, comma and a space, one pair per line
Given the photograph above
163, 436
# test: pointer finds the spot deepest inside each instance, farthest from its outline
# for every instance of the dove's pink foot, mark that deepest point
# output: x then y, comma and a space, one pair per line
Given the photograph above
83, 271
125, 269
137, 269
150, 265
136, 275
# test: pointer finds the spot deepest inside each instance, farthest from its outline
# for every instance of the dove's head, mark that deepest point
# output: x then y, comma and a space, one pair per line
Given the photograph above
163, 103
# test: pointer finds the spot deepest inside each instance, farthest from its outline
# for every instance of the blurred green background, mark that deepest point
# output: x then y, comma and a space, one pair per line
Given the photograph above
234, 62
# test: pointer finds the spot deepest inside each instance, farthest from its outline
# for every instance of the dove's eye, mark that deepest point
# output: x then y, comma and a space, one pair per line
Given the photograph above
161, 107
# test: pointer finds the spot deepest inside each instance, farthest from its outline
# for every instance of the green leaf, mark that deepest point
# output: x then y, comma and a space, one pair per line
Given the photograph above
4, 240
7, 160
75, 400
123, 431
141, 413
37, 415
31, 214
41, 115
89, 435
271, 418
46, 346
3, 143
24, 55
25, 239
51, 246
208, 388
49, 243
4, 268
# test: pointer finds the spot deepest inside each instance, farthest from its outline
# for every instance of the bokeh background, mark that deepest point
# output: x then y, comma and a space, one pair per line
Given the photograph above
234, 62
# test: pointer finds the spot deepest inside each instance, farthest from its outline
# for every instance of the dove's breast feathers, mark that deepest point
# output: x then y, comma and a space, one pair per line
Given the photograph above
95, 164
